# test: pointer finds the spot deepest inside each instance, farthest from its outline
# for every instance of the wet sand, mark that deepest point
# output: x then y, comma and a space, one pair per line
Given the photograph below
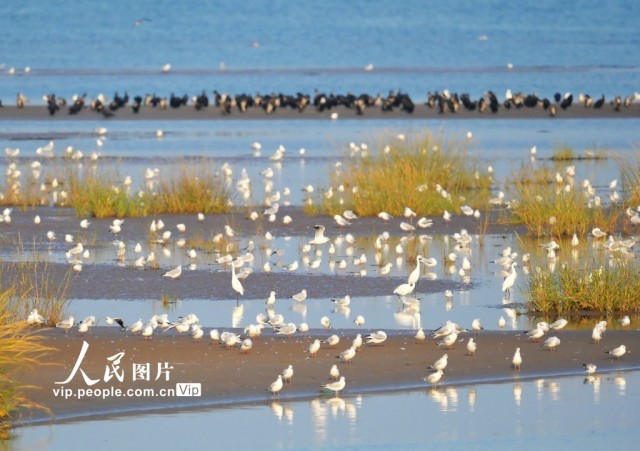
228, 376
421, 111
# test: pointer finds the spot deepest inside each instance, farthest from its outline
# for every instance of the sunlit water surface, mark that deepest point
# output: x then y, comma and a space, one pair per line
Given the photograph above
598, 412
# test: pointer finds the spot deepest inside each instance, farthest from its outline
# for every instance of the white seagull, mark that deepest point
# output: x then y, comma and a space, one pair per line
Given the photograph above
618, 352
433, 378
335, 386
66, 324
300, 296
173, 273
471, 347
377, 338
510, 280
276, 385
517, 360
319, 237
551, 343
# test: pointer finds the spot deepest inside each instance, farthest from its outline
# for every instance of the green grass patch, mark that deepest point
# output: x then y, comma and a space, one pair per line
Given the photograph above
429, 174
589, 286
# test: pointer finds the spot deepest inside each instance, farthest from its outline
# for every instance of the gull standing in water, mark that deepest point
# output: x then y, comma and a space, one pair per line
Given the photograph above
300, 296
404, 289
335, 386
319, 237
590, 368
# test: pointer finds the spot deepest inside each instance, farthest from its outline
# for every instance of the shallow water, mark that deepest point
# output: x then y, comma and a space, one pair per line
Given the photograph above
566, 411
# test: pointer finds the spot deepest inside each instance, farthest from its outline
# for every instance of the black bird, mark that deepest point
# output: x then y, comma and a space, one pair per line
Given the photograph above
598, 103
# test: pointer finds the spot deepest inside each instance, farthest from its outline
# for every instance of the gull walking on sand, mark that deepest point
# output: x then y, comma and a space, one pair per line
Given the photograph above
357, 342
440, 364
420, 336
66, 324
336, 387
471, 347
348, 354
476, 325
551, 343
559, 324
135, 327
449, 340
173, 273
332, 341
433, 378
314, 348
517, 360
618, 352
287, 374
596, 334
334, 372
276, 386
377, 338
246, 346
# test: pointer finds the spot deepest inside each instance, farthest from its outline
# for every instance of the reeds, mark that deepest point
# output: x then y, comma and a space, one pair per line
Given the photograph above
428, 174
191, 189
589, 286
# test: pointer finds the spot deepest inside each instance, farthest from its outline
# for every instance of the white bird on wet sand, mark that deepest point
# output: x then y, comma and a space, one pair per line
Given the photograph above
449, 340
440, 364
300, 296
471, 347
173, 273
559, 324
303, 328
334, 372
596, 335
420, 336
551, 343
359, 321
517, 360
287, 374
147, 331
66, 324
590, 368
325, 322
246, 346
314, 348
357, 342
510, 280
377, 338
618, 352
288, 329
319, 237
276, 386
535, 334
384, 216
332, 341
501, 322
433, 378
348, 354
135, 327
337, 386
476, 325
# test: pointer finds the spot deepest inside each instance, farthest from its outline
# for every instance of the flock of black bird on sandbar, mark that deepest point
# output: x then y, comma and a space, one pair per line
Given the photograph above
444, 102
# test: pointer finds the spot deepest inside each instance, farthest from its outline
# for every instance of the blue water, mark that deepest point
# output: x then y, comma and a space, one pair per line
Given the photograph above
560, 413
416, 46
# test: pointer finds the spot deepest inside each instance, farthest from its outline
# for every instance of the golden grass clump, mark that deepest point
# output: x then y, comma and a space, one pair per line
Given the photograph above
559, 207
191, 189
428, 174
593, 286
630, 171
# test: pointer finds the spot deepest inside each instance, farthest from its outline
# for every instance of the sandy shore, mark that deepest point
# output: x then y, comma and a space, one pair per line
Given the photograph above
228, 376
421, 111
